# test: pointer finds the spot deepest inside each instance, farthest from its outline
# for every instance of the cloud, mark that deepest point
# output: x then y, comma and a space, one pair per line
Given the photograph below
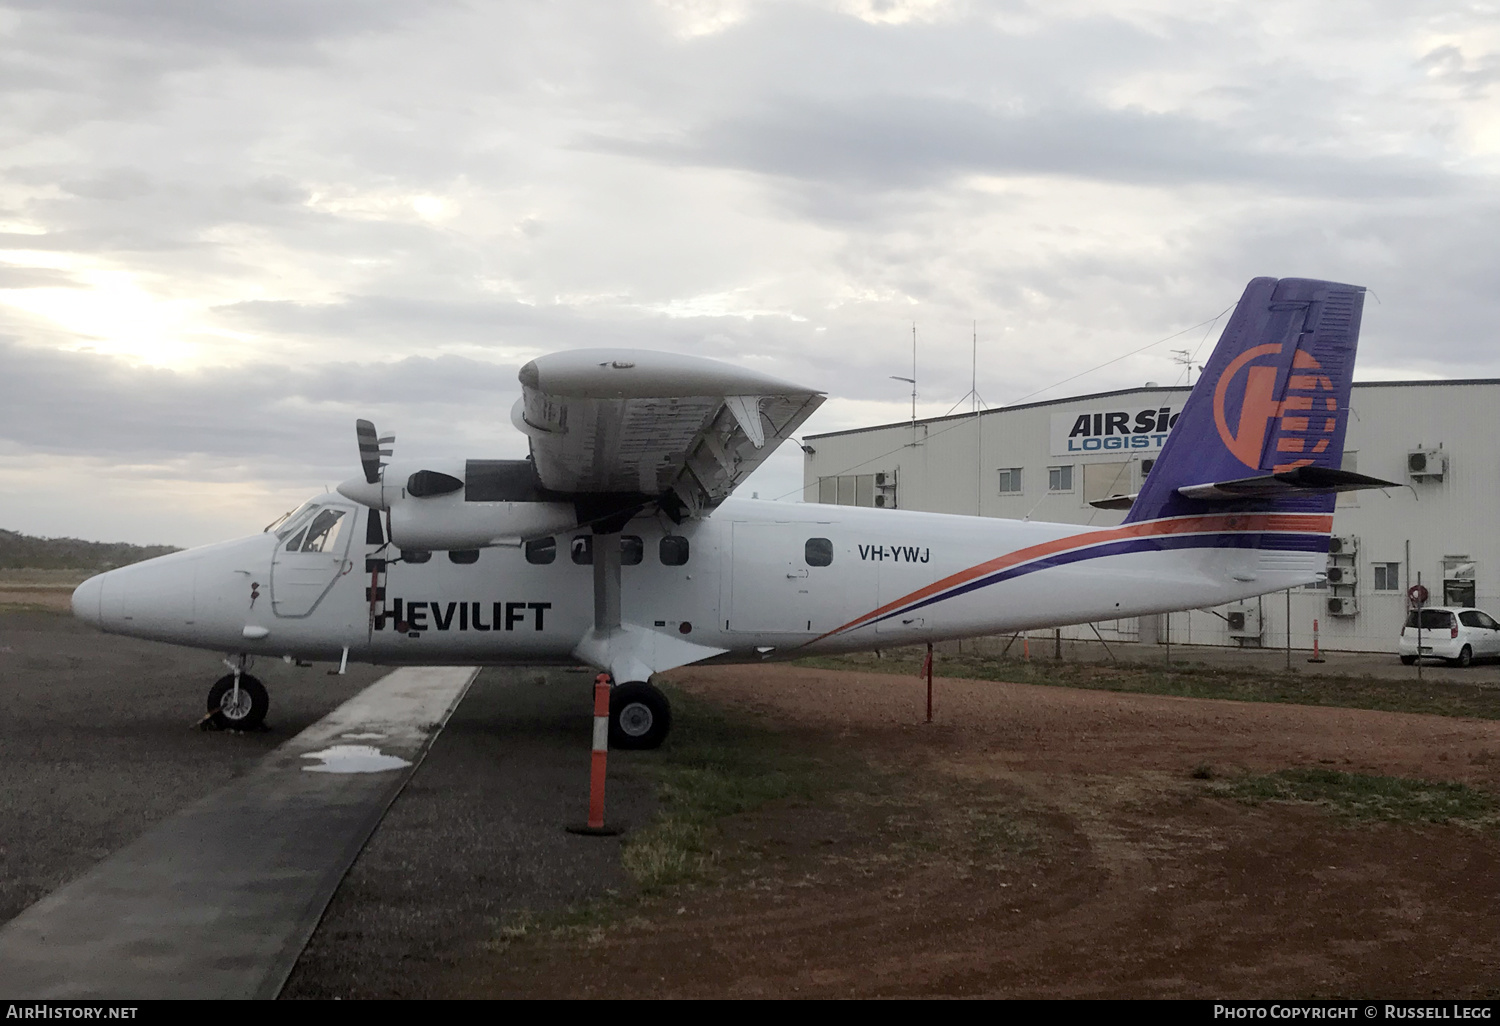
227, 230
885, 142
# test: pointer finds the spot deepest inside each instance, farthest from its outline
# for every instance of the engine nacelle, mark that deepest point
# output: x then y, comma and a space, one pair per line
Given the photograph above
473, 504
449, 522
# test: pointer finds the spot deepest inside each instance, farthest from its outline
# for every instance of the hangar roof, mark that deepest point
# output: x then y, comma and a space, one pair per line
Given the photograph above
1127, 391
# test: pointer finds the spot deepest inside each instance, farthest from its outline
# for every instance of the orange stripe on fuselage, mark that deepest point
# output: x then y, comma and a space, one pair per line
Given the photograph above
1218, 523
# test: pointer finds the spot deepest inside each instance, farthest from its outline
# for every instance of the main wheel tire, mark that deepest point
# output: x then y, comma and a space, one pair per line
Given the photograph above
1408, 660
1465, 656
246, 714
639, 716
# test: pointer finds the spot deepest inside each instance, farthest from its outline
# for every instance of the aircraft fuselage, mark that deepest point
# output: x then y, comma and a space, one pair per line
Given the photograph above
755, 579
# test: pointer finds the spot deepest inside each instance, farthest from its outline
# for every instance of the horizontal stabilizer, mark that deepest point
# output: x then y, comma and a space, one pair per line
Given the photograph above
1310, 479
1115, 501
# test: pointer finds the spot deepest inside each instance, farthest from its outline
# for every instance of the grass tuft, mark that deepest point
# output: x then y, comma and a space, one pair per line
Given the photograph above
1196, 680
1361, 796
715, 769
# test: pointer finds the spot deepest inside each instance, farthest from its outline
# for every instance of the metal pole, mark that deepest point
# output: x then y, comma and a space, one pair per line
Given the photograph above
1419, 633
929, 682
1057, 642
1169, 637
1289, 628
913, 382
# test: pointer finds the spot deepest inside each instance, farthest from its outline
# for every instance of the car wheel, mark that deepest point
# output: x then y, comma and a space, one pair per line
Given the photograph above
1465, 657
1408, 660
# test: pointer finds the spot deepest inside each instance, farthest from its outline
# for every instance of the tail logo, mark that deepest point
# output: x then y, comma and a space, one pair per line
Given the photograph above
1258, 405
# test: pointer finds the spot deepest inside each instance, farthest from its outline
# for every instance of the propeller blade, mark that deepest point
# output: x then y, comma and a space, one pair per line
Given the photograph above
369, 449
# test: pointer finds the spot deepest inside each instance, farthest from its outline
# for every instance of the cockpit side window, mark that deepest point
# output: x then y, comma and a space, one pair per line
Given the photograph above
295, 544
323, 532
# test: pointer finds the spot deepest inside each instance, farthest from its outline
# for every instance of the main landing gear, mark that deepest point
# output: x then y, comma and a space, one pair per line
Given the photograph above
237, 701
639, 716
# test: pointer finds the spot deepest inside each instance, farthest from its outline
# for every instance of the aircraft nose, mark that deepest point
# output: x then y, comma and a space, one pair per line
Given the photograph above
88, 598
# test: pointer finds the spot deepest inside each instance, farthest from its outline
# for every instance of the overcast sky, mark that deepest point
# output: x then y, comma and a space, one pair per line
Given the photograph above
228, 229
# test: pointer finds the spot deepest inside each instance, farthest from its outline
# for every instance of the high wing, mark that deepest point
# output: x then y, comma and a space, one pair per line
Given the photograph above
682, 429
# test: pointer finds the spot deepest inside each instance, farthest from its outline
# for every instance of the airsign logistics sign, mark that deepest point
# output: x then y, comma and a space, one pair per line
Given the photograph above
1082, 432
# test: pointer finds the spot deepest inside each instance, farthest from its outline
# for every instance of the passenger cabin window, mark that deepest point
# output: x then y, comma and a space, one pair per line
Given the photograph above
415, 555
323, 532
541, 551
463, 556
674, 550
632, 549
818, 551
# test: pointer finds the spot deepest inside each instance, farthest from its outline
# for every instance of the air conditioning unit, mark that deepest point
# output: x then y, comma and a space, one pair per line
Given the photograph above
1341, 576
883, 501
1343, 545
1426, 463
1342, 605
1244, 621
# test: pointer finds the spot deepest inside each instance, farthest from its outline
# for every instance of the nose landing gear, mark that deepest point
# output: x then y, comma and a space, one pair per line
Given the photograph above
237, 701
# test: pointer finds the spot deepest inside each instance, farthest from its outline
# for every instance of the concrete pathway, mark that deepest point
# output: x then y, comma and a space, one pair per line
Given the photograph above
219, 900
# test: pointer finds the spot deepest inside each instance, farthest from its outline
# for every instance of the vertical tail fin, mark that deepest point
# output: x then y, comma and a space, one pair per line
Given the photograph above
1273, 397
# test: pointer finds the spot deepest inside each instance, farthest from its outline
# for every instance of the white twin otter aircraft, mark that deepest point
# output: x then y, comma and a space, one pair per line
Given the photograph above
616, 544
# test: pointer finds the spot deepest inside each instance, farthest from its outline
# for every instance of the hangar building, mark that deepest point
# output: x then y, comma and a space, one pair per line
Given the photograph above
1049, 460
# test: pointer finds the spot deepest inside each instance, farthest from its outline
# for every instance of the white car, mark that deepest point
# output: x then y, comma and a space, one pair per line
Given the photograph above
1453, 633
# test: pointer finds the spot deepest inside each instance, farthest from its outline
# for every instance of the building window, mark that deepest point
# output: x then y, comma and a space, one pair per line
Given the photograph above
1350, 462
1387, 576
1010, 480
1059, 479
1102, 480
674, 550
818, 552
541, 551
1458, 581
852, 490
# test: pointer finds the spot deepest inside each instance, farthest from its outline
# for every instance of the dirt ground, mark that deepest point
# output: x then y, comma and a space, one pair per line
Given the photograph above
1047, 842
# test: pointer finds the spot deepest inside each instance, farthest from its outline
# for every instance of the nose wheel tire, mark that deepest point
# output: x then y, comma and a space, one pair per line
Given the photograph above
245, 712
639, 716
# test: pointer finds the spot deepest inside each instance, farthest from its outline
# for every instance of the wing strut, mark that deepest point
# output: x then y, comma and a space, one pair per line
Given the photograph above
606, 582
